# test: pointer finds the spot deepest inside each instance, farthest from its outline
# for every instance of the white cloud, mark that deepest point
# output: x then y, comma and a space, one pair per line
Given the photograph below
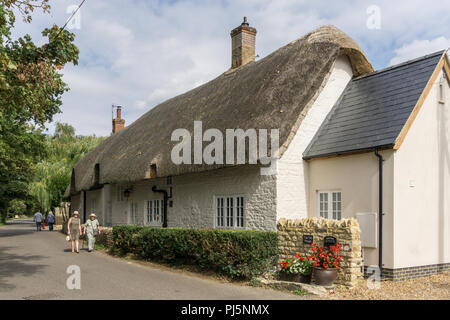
419, 48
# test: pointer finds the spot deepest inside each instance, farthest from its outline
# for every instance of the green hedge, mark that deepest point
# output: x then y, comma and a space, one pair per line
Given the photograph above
236, 253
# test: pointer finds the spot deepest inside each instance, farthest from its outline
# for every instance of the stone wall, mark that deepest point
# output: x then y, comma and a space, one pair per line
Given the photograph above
192, 204
105, 237
346, 232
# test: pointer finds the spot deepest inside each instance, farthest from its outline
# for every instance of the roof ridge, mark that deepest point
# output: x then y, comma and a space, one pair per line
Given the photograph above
400, 65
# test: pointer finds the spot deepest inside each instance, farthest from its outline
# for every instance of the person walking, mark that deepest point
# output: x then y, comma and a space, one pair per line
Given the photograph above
38, 219
91, 228
50, 220
74, 230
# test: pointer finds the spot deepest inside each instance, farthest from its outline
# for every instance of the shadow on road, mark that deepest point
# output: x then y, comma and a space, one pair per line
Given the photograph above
14, 265
5, 232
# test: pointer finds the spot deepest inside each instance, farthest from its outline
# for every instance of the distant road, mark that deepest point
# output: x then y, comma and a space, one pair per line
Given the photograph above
33, 266
20, 221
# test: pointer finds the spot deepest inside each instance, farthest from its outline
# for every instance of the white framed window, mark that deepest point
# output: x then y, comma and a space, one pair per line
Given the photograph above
154, 212
119, 191
230, 212
329, 205
133, 212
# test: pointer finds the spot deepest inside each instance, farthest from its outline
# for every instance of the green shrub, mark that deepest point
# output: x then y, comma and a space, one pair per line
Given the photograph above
236, 253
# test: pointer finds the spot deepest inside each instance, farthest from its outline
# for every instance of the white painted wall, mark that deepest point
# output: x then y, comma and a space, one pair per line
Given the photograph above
194, 198
356, 177
292, 179
422, 186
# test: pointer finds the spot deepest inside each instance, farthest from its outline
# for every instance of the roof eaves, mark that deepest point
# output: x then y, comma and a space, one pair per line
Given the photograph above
349, 152
438, 53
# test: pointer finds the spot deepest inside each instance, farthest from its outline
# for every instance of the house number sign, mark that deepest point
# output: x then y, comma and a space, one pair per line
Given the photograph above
308, 239
329, 241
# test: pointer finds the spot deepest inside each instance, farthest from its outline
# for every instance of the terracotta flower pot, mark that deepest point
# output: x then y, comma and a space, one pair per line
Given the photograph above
324, 277
300, 278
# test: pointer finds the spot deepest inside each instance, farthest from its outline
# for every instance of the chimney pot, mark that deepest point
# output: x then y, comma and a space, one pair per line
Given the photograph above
242, 44
118, 123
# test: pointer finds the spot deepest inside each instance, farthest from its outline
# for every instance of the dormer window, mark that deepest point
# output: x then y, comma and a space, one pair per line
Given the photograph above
97, 174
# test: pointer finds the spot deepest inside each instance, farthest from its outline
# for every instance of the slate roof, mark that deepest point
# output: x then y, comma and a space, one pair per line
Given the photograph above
373, 109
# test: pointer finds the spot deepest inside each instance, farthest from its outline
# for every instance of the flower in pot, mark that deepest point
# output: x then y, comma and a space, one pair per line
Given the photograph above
296, 268
325, 262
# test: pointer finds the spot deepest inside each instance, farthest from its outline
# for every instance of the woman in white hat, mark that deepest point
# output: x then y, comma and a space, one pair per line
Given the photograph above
91, 228
74, 230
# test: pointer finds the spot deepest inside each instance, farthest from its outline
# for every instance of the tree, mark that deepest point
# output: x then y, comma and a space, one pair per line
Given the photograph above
17, 207
53, 173
31, 88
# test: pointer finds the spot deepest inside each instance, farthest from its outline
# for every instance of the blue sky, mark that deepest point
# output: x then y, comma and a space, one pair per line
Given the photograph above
138, 53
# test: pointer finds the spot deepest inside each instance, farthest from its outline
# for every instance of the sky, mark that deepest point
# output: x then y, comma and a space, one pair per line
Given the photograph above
139, 53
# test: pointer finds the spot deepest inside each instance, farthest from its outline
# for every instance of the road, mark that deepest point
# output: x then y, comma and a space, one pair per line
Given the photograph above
33, 266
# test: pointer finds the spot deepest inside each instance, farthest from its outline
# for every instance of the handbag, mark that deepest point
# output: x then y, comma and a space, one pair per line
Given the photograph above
68, 238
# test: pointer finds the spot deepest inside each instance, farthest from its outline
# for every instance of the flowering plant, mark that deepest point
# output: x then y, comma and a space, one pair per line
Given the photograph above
326, 257
297, 264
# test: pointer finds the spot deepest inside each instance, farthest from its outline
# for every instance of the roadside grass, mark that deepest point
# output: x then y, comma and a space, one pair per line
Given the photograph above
300, 292
100, 246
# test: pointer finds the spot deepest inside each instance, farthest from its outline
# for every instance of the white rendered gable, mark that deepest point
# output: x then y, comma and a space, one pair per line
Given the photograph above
292, 176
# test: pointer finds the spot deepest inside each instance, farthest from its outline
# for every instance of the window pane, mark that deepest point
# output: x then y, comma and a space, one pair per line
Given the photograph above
323, 205
230, 211
240, 212
337, 205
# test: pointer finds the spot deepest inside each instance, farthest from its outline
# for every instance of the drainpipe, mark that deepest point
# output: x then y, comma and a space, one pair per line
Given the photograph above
164, 192
380, 210
84, 206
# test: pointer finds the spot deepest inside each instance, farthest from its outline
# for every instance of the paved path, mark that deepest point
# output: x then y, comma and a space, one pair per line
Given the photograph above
33, 266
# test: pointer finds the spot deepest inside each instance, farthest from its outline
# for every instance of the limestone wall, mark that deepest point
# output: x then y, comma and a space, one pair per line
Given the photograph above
346, 232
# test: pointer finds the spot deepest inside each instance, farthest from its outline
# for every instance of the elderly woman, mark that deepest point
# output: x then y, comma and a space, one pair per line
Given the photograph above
74, 230
92, 229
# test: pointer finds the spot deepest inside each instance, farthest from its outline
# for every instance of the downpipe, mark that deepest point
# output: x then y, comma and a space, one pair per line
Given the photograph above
380, 210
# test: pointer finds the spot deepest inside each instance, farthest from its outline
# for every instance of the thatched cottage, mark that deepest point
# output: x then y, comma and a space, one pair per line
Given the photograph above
352, 143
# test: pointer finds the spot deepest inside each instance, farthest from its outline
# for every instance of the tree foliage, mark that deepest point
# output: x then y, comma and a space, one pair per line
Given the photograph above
52, 174
31, 88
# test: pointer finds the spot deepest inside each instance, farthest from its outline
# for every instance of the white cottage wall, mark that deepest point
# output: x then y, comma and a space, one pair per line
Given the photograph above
422, 186
292, 177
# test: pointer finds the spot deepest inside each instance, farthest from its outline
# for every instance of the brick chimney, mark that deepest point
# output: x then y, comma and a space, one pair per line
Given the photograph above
242, 44
118, 123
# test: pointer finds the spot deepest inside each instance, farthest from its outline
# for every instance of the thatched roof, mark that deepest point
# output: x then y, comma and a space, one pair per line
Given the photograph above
274, 92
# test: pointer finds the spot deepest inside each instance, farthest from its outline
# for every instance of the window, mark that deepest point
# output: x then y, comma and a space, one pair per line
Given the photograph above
120, 190
109, 215
133, 212
154, 212
230, 212
330, 205
97, 174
